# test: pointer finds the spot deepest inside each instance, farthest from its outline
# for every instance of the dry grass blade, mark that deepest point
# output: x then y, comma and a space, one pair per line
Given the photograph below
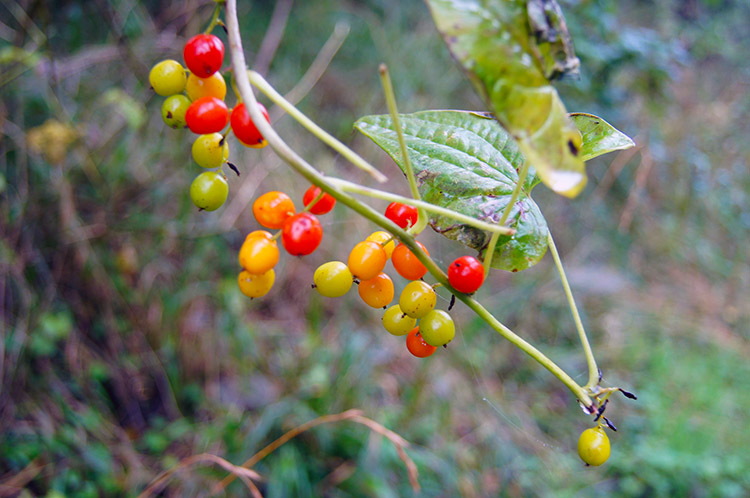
352, 415
641, 176
273, 36
400, 443
244, 474
16, 483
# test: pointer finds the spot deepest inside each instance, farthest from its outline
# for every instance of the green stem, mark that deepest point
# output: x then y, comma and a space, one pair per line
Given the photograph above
347, 186
261, 84
315, 177
593, 370
516, 191
580, 392
490, 253
390, 99
214, 18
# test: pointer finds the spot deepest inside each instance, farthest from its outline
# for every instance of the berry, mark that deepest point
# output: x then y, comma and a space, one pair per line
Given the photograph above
256, 285
377, 292
466, 274
244, 128
207, 115
406, 263
385, 240
323, 206
213, 86
209, 190
203, 55
301, 234
396, 322
367, 259
417, 299
416, 345
593, 446
211, 150
167, 78
437, 328
173, 110
402, 214
259, 253
333, 279
272, 209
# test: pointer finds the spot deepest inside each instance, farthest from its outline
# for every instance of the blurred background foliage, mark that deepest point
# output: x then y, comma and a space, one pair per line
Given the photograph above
126, 345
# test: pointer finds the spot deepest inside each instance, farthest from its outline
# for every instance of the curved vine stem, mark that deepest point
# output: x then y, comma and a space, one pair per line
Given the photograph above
302, 167
593, 369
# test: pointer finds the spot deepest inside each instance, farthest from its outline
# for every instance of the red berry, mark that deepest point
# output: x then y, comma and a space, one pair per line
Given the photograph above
203, 55
416, 345
401, 214
244, 128
301, 234
323, 206
406, 263
466, 274
207, 115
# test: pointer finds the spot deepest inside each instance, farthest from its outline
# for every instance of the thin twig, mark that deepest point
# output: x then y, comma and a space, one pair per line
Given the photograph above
274, 33
614, 169
319, 65
244, 474
641, 175
16, 483
352, 415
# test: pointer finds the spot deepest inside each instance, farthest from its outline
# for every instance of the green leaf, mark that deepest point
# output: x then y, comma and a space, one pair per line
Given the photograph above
466, 161
509, 49
599, 137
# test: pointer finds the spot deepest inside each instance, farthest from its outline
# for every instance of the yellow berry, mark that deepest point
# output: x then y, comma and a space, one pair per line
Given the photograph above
256, 285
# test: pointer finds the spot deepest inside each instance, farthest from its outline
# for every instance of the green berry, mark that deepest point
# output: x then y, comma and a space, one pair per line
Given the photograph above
211, 150
437, 328
333, 279
209, 190
396, 322
173, 111
167, 78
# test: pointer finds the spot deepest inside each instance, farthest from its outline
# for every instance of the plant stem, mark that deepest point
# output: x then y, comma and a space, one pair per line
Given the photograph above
390, 99
490, 253
261, 84
214, 17
287, 154
347, 186
593, 370
527, 348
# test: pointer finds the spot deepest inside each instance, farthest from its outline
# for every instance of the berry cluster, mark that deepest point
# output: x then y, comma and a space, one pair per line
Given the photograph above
195, 99
301, 233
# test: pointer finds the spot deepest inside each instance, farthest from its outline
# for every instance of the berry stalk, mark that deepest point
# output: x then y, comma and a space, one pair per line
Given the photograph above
261, 84
347, 186
590, 360
390, 99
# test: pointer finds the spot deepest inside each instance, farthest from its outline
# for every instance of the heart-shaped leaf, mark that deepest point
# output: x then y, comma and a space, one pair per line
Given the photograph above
509, 48
599, 137
465, 161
